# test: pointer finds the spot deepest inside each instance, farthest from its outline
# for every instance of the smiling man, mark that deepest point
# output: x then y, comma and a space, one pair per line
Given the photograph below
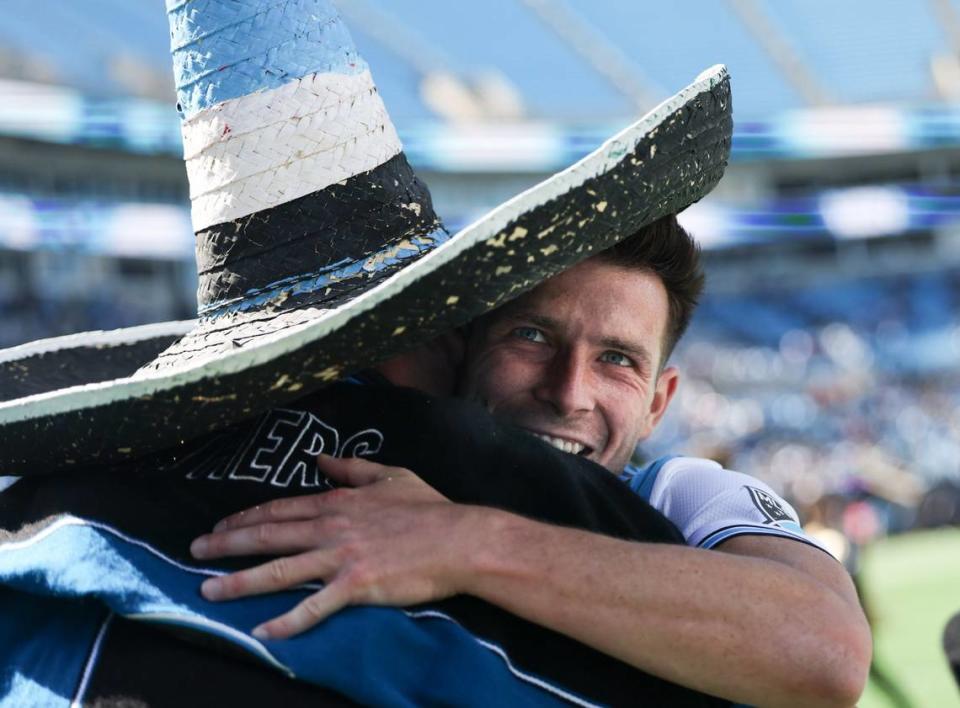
580, 363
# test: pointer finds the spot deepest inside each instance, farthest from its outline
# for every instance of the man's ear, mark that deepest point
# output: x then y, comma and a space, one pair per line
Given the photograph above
666, 387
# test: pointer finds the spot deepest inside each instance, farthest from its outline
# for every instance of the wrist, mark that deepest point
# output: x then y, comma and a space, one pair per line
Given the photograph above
498, 544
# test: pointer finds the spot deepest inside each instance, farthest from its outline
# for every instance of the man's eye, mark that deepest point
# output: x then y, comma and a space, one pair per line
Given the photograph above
616, 358
531, 334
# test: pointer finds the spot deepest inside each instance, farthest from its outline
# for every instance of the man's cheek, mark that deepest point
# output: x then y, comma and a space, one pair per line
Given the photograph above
497, 391
482, 384
506, 388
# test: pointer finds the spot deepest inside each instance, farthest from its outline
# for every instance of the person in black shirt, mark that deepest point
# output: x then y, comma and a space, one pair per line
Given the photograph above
459, 450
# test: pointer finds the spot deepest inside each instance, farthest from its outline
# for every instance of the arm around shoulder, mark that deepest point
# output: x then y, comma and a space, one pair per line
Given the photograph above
827, 652
768, 622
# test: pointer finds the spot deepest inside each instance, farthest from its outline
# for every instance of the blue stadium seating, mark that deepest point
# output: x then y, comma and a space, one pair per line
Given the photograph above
672, 42
861, 51
80, 39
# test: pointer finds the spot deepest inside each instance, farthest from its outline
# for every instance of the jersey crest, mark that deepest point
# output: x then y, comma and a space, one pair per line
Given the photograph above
770, 507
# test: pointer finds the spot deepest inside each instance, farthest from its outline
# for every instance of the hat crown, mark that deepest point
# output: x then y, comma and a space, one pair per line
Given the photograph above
225, 49
300, 191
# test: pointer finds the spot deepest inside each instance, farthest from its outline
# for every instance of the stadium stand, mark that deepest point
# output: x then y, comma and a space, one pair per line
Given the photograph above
866, 54
864, 57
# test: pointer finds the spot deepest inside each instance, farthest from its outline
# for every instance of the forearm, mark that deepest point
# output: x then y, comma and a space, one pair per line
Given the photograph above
748, 629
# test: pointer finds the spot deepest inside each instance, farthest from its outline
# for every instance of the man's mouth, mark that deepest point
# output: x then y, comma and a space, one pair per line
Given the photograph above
571, 446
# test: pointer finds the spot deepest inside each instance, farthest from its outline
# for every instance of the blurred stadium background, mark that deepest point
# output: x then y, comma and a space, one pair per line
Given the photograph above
826, 355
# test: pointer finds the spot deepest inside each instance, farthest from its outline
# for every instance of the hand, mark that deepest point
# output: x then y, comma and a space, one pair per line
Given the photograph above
387, 538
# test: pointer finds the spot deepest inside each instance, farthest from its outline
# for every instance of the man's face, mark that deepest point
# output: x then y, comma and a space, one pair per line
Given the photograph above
576, 361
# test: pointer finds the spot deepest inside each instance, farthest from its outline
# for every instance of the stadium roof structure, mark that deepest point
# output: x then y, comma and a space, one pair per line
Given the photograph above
528, 86
566, 61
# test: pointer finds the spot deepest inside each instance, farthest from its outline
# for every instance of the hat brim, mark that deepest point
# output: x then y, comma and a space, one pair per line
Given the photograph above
661, 164
57, 363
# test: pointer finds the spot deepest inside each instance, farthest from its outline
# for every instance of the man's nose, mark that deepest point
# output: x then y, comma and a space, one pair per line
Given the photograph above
566, 384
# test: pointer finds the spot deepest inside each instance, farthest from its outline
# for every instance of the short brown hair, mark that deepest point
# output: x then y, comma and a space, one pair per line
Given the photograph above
667, 250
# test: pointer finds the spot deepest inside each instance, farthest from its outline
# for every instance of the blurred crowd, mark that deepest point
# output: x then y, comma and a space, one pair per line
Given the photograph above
845, 398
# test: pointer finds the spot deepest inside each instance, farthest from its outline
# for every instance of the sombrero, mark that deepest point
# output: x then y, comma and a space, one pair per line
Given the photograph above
317, 247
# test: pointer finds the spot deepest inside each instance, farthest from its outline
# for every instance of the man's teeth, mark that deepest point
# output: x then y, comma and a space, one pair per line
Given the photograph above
574, 448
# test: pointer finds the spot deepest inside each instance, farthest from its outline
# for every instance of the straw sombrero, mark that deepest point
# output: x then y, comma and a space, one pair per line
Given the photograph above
317, 247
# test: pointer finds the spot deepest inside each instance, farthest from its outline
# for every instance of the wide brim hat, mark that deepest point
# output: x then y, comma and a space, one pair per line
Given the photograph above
318, 250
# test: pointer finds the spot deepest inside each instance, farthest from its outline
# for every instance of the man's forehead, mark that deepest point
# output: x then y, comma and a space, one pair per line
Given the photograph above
598, 284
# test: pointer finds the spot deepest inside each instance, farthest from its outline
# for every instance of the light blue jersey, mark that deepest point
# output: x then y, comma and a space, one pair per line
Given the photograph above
710, 504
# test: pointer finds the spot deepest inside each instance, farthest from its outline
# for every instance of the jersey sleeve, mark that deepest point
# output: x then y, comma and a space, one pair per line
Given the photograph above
710, 504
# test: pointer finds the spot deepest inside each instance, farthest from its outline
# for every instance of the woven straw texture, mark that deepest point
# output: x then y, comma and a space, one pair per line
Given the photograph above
224, 49
259, 151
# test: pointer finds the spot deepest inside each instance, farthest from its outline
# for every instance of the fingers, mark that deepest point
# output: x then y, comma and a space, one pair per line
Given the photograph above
282, 574
288, 509
311, 611
352, 472
279, 574
268, 538
355, 471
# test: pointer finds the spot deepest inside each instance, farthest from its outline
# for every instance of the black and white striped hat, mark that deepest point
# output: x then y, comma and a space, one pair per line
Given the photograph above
317, 247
